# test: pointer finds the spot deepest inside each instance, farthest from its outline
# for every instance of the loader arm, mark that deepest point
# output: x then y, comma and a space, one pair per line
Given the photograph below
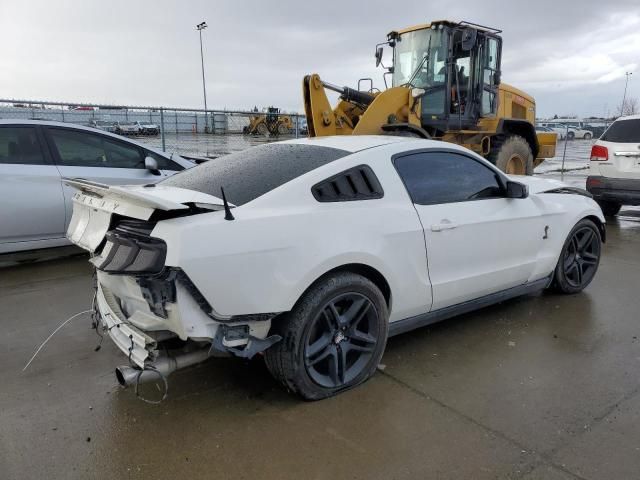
357, 113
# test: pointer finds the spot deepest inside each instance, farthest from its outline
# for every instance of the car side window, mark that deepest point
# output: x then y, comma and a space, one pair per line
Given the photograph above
20, 145
164, 163
84, 149
444, 177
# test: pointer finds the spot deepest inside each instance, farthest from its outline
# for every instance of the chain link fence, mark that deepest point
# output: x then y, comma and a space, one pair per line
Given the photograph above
190, 132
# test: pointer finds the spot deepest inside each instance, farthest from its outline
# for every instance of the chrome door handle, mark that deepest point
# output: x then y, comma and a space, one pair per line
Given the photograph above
444, 225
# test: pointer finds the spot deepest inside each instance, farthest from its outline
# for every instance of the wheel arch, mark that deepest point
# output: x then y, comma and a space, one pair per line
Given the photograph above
600, 224
523, 128
367, 271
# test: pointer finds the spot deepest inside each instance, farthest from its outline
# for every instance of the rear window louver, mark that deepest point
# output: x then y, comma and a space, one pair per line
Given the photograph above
357, 183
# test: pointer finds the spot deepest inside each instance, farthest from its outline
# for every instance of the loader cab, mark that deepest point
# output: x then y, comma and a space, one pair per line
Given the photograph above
454, 68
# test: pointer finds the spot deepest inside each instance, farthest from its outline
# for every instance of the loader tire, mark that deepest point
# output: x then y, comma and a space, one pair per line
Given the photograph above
262, 129
511, 154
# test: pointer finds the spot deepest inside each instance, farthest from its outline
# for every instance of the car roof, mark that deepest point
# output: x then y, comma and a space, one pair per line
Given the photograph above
357, 143
628, 117
351, 143
50, 123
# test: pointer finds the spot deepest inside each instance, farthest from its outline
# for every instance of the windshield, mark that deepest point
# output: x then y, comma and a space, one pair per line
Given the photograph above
411, 49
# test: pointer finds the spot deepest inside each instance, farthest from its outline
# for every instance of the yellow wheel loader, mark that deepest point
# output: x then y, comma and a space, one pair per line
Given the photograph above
270, 123
445, 85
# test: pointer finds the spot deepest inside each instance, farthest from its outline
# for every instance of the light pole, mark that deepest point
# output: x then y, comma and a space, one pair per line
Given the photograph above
624, 97
200, 27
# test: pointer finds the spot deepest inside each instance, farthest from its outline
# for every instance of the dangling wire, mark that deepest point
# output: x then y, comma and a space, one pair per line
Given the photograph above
52, 334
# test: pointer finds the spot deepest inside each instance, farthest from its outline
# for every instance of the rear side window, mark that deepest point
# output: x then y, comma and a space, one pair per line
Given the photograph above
84, 149
20, 145
443, 177
248, 174
357, 183
623, 131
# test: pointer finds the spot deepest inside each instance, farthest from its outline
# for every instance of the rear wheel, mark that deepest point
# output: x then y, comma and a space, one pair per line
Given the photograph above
333, 338
579, 259
571, 135
512, 155
587, 136
609, 209
282, 129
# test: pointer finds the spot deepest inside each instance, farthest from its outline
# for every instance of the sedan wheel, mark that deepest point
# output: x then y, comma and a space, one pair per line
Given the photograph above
333, 338
579, 259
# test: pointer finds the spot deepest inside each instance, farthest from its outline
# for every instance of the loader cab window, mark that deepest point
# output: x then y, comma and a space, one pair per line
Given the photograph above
422, 54
461, 76
490, 72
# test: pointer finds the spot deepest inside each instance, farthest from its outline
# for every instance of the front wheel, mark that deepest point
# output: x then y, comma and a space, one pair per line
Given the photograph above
579, 259
587, 136
333, 339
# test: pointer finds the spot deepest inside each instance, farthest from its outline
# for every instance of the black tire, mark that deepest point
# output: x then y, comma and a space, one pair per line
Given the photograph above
609, 209
571, 135
312, 344
588, 136
511, 154
579, 258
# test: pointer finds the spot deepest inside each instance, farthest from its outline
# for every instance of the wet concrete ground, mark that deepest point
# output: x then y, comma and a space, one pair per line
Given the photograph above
540, 387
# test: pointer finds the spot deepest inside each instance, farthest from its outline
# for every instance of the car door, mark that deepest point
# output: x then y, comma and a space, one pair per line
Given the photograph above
478, 241
101, 158
32, 206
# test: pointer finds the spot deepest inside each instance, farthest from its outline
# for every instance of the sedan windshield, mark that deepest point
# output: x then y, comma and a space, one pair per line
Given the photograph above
248, 174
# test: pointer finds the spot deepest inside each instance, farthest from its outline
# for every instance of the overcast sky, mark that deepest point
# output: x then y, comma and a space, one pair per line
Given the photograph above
571, 56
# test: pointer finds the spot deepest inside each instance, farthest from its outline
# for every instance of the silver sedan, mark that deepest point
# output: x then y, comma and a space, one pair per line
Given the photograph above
35, 206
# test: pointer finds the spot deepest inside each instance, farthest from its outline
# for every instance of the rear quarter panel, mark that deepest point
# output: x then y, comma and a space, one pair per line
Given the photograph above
281, 243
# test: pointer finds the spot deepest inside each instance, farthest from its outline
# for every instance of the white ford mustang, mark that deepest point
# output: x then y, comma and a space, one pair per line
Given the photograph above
315, 251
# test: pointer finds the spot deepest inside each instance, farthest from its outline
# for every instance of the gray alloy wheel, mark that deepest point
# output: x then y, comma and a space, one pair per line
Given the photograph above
333, 339
579, 259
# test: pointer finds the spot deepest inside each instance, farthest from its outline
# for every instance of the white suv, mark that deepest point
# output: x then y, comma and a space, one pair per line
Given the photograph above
614, 172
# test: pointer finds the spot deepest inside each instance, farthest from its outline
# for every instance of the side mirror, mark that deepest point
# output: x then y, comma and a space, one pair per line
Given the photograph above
151, 164
517, 190
379, 52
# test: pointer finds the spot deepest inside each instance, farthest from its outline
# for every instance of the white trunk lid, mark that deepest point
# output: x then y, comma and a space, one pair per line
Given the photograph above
95, 203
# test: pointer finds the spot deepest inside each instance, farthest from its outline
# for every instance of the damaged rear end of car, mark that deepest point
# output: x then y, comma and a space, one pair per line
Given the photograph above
152, 311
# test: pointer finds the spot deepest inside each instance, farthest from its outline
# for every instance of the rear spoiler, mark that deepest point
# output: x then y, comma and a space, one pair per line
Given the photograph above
147, 196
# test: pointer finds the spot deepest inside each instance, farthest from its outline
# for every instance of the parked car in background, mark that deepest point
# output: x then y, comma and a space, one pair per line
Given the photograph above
596, 130
614, 170
35, 207
562, 132
103, 125
542, 129
148, 128
579, 133
341, 243
569, 132
128, 128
